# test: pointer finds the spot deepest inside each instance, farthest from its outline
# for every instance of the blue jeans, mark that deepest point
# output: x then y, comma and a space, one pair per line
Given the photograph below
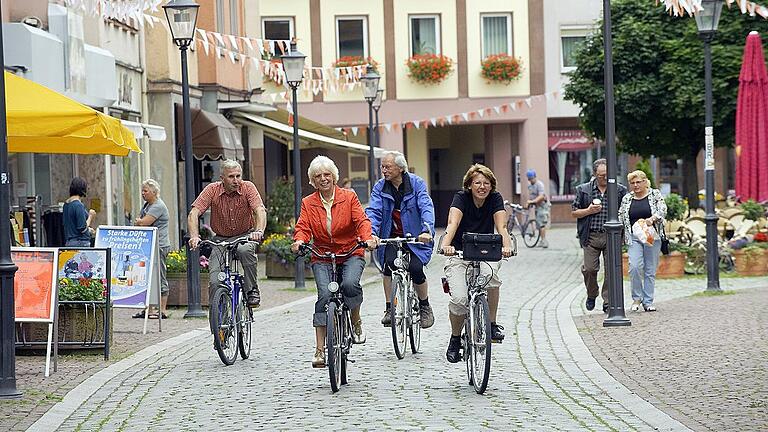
351, 271
643, 262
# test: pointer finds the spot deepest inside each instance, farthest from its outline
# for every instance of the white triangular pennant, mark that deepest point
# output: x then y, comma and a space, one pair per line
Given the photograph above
465, 116
480, 112
388, 127
497, 109
248, 43
354, 130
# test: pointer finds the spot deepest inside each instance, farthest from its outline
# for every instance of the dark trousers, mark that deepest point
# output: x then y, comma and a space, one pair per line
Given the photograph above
597, 244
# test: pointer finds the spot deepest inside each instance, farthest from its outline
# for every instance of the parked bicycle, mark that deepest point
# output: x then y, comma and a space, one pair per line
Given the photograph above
338, 337
405, 313
231, 317
520, 218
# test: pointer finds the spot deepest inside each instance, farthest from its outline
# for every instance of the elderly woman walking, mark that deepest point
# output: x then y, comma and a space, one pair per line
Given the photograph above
643, 205
154, 213
334, 220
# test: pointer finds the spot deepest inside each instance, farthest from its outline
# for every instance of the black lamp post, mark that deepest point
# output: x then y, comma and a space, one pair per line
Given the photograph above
293, 64
7, 267
182, 19
376, 105
707, 20
370, 88
613, 273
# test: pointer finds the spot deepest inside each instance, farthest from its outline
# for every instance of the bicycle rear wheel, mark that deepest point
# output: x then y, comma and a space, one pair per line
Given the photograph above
398, 314
333, 346
480, 341
531, 233
224, 331
244, 321
414, 330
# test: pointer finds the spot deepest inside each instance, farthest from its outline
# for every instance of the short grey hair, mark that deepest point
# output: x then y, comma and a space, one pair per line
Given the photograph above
230, 164
322, 163
152, 184
597, 163
398, 157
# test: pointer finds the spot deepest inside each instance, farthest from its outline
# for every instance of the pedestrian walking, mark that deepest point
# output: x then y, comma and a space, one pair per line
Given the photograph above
333, 219
590, 209
236, 210
641, 208
538, 197
154, 213
77, 220
400, 205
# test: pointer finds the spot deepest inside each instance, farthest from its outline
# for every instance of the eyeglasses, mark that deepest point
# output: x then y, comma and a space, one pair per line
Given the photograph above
637, 182
388, 167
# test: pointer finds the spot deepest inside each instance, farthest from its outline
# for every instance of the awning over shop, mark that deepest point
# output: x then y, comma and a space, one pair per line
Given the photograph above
213, 136
153, 132
41, 120
311, 134
569, 140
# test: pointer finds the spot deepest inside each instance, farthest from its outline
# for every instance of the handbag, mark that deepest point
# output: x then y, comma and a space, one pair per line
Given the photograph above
664, 240
481, 247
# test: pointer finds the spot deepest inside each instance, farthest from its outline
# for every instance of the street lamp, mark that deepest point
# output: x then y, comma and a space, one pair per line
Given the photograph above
7, 267
182, 19
376, 106
370, 88
706, 21
613, 273
293, 65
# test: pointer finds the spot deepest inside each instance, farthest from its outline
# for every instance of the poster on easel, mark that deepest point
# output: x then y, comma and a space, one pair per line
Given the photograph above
34, 289
133, 256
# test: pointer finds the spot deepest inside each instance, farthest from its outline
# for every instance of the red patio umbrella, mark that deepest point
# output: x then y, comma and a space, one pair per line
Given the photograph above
752, 124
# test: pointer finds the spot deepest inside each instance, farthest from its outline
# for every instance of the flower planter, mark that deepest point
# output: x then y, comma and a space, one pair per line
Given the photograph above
80, 326
177, 289
277, 270
751, 264
670, 266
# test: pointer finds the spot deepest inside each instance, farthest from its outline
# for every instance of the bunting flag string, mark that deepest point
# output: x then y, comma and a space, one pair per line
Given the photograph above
136, 11
462, 117
690, 7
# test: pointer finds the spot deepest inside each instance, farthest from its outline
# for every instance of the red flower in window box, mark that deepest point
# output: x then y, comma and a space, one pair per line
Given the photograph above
429, 68
350, 61
501, 68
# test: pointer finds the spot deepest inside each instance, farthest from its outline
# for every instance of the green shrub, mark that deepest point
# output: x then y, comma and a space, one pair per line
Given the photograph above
677, 207
752, 210
645, 166
82, 289
277, 247
280, 206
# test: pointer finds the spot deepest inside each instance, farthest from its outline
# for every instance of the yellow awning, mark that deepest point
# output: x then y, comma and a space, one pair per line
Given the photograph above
41, 120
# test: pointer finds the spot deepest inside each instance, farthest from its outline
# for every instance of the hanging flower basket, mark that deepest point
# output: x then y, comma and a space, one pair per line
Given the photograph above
351, 61
501, 68
429, 68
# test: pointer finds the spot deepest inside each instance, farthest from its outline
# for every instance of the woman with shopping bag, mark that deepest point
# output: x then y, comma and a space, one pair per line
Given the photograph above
642, 213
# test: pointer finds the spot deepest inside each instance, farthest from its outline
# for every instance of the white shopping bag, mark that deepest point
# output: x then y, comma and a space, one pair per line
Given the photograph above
643, 232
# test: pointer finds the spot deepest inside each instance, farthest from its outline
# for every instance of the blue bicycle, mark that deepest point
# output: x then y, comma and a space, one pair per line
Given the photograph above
231, 317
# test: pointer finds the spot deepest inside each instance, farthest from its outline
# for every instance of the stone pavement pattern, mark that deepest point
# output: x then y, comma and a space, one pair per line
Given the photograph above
543, 376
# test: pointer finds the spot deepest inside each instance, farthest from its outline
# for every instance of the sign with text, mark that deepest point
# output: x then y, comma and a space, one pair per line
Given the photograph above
133, 255
34, 285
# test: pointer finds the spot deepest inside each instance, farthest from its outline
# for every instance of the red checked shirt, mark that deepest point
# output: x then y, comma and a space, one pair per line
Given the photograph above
231, 213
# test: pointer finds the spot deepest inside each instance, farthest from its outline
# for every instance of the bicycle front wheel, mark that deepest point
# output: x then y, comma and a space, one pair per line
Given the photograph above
244, 321
480, 341
414, 334
531, 233
224, 331
333, 346
398, 314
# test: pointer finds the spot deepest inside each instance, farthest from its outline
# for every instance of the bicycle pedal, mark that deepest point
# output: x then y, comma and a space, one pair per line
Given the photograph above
350, 360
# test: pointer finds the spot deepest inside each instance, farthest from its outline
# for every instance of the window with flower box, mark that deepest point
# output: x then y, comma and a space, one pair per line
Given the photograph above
497, 34
352, 37
425, 34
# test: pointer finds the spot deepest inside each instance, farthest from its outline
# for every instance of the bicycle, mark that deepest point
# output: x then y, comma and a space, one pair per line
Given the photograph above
476, 335
338, 336
530, 229
405, 312
231, 317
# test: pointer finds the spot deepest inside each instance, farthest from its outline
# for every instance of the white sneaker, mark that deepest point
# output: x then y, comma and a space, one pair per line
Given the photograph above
358, 334
544, 243
635, 306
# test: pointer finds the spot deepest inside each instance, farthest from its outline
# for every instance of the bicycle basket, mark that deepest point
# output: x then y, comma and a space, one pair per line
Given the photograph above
481, 247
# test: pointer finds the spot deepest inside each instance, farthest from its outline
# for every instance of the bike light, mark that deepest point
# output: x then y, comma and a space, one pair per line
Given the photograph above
333, 287
398, 262
222, 277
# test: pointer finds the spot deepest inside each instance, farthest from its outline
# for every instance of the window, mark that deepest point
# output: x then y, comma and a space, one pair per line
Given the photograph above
497, 34
425, 34
570, 45
277, 29
352, 36
220, 16
233, 21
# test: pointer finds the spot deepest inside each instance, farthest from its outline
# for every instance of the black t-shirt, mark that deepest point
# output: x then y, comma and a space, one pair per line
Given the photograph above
639, 209
475, 220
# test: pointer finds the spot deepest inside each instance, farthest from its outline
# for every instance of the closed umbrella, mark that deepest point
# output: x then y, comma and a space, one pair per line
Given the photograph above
752, 124
40, 120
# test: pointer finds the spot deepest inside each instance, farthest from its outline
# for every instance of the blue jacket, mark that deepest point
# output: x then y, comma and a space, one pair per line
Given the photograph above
417, 213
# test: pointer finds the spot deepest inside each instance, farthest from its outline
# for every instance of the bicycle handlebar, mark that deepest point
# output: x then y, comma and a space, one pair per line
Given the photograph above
398, 240
308, 248
516, 207
236, 242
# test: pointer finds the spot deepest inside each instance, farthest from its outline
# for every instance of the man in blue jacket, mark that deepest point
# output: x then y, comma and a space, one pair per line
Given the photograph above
400, 205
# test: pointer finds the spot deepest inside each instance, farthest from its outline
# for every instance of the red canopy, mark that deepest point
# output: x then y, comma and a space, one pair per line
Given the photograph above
752, 124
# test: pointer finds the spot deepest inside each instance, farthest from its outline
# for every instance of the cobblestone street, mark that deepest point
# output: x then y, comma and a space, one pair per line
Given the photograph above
543, 376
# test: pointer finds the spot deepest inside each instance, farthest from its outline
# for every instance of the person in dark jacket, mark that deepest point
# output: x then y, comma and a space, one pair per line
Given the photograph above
400, 205
591, 210
77, 220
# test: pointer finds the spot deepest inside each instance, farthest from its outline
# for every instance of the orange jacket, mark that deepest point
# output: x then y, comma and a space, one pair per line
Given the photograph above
348, 223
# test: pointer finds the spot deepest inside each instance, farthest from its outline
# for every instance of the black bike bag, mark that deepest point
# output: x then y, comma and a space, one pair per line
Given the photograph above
481, 247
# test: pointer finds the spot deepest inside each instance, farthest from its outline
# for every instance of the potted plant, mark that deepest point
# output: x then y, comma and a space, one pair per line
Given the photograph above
751, 260
752, 210
280, 206
670, 266
677, 207
279, 259
176, 273
501, 68
429, 68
